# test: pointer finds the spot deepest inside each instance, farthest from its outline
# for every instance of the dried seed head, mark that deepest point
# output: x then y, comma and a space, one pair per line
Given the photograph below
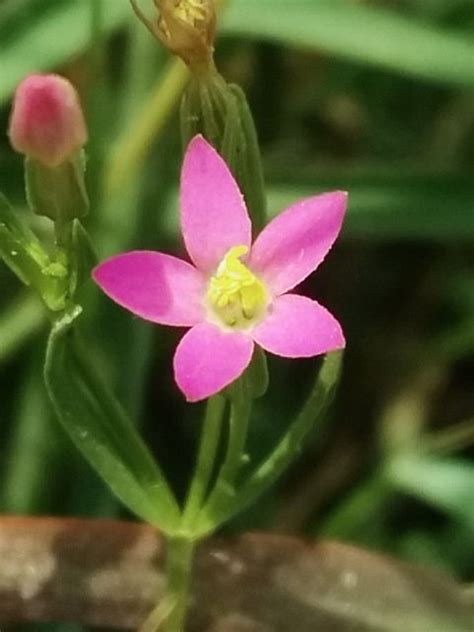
186, 27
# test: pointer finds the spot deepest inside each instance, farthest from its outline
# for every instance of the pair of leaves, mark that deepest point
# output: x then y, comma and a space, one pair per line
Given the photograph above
49, 276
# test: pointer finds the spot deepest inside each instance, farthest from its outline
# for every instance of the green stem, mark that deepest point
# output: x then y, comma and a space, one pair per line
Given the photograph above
457, 437
170, 614
63, 234
96, 22
133, 146
239, 422
210, 437
224, 489
179, 560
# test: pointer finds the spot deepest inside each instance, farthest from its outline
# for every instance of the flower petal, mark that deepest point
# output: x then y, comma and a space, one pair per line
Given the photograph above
208, 359
214, 217
298, 327
154, 286
297, 240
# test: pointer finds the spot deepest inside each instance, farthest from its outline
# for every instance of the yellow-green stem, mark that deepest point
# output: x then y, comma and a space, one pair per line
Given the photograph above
224, 488
132, 148
209, 444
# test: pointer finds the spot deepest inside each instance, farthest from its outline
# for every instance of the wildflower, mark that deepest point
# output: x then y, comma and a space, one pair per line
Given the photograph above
233, 295
47, 123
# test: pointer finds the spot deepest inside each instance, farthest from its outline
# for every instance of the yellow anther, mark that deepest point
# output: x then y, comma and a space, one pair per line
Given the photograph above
235, 294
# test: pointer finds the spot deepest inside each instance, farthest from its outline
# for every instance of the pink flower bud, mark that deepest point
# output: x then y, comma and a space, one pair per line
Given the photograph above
47, 123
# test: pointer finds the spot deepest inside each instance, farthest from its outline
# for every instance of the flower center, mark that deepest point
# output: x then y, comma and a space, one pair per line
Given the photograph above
235, 294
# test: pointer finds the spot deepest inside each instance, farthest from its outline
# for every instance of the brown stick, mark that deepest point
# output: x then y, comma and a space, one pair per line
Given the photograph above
108, 573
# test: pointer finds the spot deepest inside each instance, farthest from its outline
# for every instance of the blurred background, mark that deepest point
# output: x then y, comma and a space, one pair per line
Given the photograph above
375, 97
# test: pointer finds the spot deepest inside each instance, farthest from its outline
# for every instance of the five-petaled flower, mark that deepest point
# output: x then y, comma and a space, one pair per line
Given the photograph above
235, 294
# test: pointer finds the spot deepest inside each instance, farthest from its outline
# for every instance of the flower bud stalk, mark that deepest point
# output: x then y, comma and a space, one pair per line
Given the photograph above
47, 126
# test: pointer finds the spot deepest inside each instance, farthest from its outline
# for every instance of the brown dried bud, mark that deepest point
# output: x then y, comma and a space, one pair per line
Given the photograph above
186, 27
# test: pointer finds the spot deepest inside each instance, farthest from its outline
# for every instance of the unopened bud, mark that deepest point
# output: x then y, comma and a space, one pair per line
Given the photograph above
186, 27
47, 123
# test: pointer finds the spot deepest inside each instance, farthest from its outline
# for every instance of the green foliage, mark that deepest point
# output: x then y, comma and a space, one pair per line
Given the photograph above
62, 24
445, 483
100, 429
226, 501
219, 111
21, 250
366, 34
337, 27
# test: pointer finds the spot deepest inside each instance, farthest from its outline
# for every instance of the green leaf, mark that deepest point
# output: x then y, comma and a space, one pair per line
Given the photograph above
367, 34
48, 33
101, 430
83, 257
392, 204
446, 483
25, 256
20, 320
19, 247
241, 150
219, 111
257, 374
31, 477
289, 447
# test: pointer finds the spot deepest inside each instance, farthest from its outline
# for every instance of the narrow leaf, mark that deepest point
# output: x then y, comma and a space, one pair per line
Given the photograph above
19, 247
83, 257
287, 449
446, 483
367, 34
101, 430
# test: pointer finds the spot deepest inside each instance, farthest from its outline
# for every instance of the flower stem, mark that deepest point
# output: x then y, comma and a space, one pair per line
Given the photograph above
210, 436
239, 422
63, 234
223, 493
170, 614
179, 560
136, 140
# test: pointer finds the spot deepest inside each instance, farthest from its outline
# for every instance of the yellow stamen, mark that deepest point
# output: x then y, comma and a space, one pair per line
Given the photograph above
237, 297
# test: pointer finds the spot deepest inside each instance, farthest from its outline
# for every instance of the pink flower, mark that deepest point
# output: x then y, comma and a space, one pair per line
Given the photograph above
235, 294
47, 123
